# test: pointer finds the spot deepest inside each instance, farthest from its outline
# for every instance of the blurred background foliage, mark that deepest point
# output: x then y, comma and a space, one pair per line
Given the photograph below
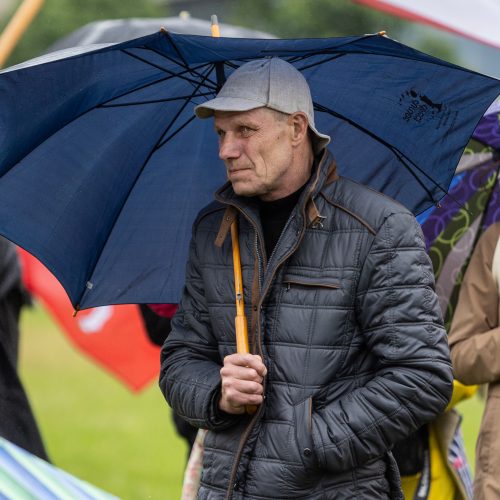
57, 18
324, 18
283, 18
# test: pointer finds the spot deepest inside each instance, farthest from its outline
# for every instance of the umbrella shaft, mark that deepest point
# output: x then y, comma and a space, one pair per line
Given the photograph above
241, 327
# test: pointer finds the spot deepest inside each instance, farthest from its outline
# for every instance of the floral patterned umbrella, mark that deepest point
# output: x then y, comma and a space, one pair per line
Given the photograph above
452, 228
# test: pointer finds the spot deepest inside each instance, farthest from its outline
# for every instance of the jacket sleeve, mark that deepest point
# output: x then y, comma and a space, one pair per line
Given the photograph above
190, 361
475, 334
400, 325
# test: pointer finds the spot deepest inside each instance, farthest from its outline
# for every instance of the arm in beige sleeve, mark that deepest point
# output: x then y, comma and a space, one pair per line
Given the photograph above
475, 333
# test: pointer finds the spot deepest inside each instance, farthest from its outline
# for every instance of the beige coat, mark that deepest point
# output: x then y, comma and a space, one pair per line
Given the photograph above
475, 353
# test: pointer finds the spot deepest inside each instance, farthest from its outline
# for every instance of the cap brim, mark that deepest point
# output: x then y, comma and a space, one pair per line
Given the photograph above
207, 109
236, 104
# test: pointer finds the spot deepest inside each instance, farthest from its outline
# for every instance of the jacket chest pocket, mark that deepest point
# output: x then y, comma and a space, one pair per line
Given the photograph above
312, 311
311, 291
309, 283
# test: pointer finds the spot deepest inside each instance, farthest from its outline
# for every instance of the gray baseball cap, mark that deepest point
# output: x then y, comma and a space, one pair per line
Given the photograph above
271, 83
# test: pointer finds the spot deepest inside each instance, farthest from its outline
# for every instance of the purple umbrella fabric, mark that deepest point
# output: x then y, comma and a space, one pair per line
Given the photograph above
452, 228
488, 130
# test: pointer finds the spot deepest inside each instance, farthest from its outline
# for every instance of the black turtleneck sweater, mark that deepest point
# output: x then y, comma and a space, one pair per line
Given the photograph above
274, 215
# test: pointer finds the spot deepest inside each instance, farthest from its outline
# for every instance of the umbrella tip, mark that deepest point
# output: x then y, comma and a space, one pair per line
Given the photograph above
215, 26
382, 33
75, 312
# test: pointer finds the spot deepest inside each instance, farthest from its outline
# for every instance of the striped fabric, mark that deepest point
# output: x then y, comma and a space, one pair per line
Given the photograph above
458, 460
24, 476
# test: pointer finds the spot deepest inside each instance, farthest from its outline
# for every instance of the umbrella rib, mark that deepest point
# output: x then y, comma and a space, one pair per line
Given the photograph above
96, 106
331, 50
325, 51
179, 53
184, 62
405, 57
294, 59
128, 92
155, 101
86, 289
323, 61
144, 164
173, 134
194, 71
402, 158
157, 66
161, 142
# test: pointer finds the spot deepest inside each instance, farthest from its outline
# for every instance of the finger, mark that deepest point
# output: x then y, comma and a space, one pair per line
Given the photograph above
259, 365
246, 387
237, 399
249, 360
231, 385
241, 373
226, 406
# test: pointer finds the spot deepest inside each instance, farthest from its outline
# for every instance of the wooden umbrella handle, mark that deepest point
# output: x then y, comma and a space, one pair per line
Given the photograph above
240, 321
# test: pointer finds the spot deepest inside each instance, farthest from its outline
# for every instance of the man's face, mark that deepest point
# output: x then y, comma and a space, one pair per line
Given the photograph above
256, 147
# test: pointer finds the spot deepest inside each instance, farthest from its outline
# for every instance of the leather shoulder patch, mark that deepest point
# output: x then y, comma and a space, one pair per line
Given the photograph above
229, 215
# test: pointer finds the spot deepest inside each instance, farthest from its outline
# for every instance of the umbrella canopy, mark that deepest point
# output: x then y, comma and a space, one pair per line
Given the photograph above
103, 166
23, 475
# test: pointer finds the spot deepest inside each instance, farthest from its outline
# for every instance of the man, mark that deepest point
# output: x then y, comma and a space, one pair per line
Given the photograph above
348, 350
475, 352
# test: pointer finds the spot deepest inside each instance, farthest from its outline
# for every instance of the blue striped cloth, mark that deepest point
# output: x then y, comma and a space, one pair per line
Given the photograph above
24, 476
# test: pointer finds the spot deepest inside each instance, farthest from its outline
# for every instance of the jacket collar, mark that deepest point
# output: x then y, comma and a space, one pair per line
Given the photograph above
324, 173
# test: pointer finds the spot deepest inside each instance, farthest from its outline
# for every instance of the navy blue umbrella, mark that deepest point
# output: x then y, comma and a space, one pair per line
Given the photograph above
103, 166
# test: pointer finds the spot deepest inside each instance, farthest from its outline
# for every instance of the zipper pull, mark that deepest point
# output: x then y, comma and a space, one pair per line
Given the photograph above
317, 223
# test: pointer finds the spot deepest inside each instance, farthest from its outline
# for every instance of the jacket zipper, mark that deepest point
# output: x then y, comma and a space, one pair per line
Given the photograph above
250, 426
252, 422
259, 259
288, 222
309, 283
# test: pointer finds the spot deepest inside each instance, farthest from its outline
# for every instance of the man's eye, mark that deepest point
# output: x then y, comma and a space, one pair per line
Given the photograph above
220, 133
245, 131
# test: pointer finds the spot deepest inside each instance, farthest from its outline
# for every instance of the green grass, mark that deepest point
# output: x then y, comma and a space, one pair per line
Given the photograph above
99, 431
94, 427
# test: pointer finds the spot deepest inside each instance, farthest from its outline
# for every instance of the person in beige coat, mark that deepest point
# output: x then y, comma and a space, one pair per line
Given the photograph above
475, 352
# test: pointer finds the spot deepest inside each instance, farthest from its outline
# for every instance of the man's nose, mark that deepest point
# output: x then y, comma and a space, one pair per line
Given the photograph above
228, 148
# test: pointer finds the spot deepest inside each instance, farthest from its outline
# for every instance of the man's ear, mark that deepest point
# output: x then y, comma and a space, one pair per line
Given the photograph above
300, 125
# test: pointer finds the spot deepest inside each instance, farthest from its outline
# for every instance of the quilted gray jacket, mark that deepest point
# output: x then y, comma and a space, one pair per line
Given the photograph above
345, 317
